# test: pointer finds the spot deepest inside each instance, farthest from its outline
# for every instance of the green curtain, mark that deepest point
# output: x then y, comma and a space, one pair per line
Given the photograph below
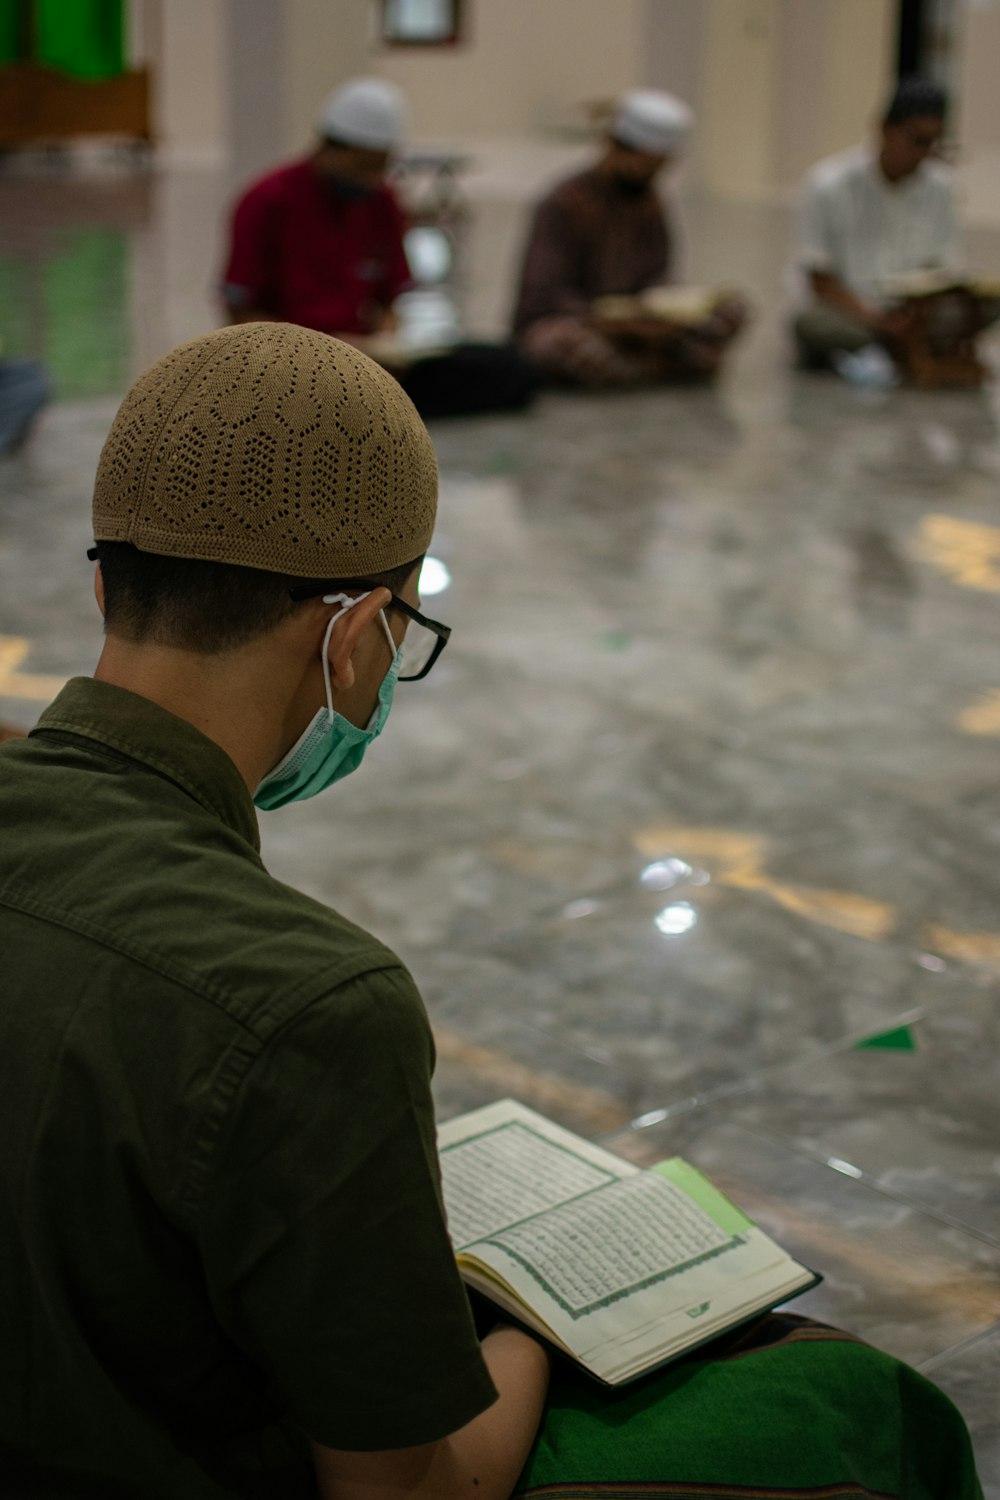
10, 31
85, 38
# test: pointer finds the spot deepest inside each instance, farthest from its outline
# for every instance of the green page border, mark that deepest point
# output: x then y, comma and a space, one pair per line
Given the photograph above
708, 1198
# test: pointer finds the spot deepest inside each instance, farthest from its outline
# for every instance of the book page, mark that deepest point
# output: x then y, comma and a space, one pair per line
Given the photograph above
602, 1246
643, 1318
507, 1174
587, 1228
922, 283
684, 305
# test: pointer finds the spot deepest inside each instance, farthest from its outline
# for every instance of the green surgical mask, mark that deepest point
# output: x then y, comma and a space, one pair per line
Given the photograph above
331, 747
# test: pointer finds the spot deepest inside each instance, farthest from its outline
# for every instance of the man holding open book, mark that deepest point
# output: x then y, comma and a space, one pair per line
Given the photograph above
880, 253
225, 1265
592, 306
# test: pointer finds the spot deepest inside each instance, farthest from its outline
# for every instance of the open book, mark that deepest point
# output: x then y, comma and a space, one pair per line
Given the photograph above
933, 281
687, 306
622, 1269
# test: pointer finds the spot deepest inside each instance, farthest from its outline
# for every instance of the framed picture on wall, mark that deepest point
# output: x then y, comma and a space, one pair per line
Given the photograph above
421, 23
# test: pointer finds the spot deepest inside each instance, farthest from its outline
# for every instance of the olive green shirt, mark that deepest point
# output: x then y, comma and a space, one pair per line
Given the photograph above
220, 1216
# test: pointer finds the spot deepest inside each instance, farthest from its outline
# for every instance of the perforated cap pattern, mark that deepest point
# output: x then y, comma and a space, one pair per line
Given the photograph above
273, 447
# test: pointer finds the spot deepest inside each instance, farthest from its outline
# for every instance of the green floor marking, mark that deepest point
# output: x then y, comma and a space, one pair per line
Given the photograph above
500, 462
900, 1039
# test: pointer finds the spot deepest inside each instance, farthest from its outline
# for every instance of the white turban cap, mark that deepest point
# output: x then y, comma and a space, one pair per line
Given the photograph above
367, 112
649, 120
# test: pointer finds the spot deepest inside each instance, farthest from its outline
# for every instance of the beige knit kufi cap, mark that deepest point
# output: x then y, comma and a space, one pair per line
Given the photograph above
273, 447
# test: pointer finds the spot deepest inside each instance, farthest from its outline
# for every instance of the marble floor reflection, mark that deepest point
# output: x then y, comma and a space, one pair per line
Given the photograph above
692, 839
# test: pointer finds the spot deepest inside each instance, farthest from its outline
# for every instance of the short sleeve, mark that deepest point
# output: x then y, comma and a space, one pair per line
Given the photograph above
251, 270
322, 1233
815, 250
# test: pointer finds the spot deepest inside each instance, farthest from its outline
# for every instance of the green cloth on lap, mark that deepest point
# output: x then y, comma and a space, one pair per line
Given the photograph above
785, 1407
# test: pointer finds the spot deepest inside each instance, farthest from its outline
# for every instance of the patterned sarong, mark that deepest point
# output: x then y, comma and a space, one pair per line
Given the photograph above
785, 1409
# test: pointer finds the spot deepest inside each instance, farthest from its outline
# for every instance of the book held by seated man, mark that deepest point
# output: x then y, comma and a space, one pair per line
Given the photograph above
934, 281
687, 306
620, 1268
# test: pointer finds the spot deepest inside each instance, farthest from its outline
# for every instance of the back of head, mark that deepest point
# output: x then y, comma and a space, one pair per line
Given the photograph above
249, 456
369, 113
916, 98
651, 121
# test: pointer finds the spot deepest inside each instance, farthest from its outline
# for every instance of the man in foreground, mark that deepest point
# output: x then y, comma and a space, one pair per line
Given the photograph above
224, 1263
603, 234
871, 217
224, 1266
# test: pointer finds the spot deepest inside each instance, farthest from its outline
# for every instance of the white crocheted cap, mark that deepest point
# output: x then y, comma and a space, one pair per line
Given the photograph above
369, 112
649, 120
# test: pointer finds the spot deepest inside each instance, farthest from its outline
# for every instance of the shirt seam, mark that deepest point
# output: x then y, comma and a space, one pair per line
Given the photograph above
101, 735
207, 1143
238, 1059
317, 983
165, 968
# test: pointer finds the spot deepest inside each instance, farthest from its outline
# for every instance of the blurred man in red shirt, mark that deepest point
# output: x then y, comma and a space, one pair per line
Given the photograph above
320, 242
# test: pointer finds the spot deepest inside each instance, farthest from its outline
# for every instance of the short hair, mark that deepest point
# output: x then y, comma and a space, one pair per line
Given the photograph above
206, 607
915, 98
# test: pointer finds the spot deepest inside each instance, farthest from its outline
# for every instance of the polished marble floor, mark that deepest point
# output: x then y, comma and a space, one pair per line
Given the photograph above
692, 838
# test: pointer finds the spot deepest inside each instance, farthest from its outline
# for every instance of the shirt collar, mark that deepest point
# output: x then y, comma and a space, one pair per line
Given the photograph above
154, 737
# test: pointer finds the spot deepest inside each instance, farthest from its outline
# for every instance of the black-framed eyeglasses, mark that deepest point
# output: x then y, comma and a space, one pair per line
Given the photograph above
421, 646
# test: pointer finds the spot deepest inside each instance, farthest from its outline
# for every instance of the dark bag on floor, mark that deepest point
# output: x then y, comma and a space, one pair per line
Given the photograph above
470, 378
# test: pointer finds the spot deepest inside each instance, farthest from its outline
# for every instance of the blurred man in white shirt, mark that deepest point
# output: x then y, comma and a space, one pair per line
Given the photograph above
869, 216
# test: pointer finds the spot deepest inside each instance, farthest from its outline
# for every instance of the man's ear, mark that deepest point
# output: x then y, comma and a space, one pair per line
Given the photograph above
99, 588
348, 628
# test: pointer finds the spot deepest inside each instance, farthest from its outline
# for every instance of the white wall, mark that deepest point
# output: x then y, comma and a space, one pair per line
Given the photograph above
528, 67
239, 82
977, 122
775, 83
785, 82
187, 55
256, 57
327, 41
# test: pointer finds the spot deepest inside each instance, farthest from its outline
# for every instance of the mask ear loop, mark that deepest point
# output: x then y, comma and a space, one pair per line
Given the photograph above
388, 633
346, 602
